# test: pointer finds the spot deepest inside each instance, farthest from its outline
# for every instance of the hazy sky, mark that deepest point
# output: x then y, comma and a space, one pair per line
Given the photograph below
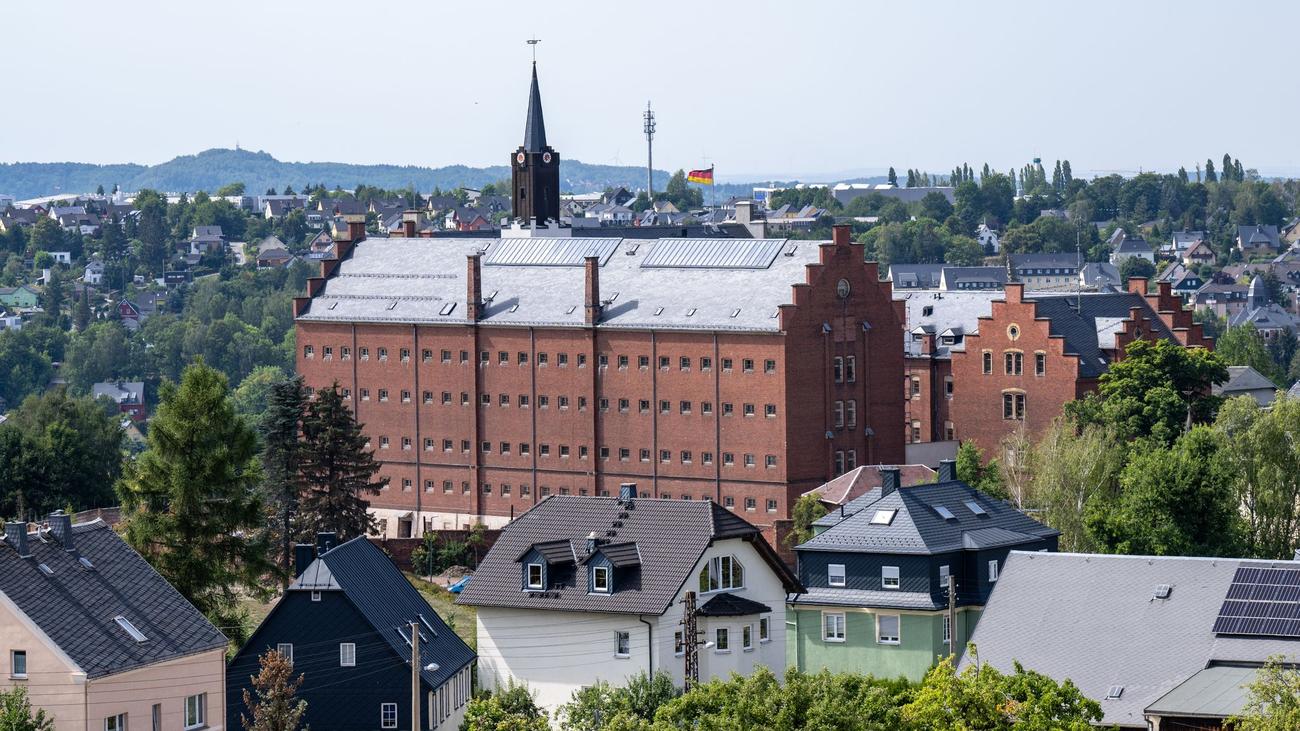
793, 89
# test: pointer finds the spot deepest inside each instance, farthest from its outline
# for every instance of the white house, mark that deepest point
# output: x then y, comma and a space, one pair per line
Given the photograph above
94, 273
1131, 246
988, 239
583, 589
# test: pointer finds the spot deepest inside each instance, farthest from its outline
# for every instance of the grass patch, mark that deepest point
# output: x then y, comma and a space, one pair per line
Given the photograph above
460, 618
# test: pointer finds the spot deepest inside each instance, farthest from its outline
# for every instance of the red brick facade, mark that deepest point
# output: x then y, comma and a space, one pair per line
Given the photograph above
927, 395
476, 419
1015, 373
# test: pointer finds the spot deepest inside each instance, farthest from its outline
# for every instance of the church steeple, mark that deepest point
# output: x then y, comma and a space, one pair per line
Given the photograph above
535, 168
535, 127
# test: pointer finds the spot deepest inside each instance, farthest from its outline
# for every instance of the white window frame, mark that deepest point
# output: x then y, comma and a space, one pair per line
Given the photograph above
993, 571
764, 629
889, 577
541, 576
288, 655
13, 663
947, 630
595, 584
717, 579
836, 575
347, 654
890, 639
116, 722
721, 640
315, 596
944, 572
622, 644
834, 627
200, 711
747, 637
384, 721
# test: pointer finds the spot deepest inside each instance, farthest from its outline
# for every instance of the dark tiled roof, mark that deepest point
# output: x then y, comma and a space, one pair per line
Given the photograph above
670, 537
555, 552
620, 555
884, 599
1074, 317
535, 127
76, 606
917, 527
389, 603
730, 605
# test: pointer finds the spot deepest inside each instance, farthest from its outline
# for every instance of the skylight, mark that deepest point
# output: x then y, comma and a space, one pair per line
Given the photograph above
975, 507
45, 569
883, 517
1163, 591
447, 308
944, 513
1114, 692
129, 628
85, 563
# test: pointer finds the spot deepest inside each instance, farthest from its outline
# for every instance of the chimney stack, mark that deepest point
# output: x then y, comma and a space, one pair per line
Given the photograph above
947, 470
592, 305
591, 543
1137, 285
473, 287
356, 227
303, 555
61, 528
889, 481
409, 219
841, 234
325, 541
16, 537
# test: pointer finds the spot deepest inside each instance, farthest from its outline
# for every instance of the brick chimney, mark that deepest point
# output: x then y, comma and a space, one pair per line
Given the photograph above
1137, 285
842, 234
1013, 292
409, 219
889, 480
947, 470
356, 227
591, 305
473, 287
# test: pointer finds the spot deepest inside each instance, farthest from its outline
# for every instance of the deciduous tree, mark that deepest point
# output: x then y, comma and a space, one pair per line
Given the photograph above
276, 706
17, 714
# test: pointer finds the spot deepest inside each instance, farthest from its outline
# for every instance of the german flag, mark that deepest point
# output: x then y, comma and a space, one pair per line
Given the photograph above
704, 177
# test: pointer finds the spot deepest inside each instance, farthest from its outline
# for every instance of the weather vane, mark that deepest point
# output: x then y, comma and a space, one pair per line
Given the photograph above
533, 42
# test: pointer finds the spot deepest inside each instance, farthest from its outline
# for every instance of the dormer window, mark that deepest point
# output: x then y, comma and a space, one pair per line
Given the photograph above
600, 579
534, 576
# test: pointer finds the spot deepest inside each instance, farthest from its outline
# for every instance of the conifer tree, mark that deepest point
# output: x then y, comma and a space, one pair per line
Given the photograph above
1210, 177
337, 469
281, 430
190, 502
81, 315
52, 299
893, 176
276, 707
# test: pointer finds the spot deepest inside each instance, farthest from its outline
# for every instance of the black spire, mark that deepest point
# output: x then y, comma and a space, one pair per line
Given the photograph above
535, 129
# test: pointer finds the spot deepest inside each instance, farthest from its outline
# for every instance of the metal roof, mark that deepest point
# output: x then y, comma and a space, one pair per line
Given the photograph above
713, 253
1218, 691
548, 252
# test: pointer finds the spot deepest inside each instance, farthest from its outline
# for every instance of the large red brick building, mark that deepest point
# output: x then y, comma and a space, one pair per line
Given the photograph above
490, 373
981, 366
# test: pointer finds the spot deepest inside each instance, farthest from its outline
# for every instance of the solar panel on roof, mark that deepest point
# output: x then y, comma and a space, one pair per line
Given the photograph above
1261, 601
549, 252
712, 254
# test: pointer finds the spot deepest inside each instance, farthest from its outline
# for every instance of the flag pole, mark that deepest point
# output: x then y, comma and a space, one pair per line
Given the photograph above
713, 185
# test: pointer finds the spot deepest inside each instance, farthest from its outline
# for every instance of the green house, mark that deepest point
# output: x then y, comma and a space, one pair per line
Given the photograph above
19, 298
877, 574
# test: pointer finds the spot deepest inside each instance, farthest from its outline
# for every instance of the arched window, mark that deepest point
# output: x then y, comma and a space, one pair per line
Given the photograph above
722, 572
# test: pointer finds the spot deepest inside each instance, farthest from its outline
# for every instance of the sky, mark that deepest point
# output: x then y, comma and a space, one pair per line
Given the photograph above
762, 90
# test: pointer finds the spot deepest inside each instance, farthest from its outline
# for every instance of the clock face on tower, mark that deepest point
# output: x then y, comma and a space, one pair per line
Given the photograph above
546, 157
519, 158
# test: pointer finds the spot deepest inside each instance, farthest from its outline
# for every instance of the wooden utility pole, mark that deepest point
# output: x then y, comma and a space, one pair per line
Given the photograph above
952, 615
415, 676
690, 642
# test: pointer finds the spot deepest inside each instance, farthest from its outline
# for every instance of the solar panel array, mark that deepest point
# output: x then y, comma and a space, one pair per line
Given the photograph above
1261, 601
549, 252
713, 253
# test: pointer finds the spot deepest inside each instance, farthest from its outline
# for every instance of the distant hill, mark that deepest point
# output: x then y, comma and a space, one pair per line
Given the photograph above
258, 171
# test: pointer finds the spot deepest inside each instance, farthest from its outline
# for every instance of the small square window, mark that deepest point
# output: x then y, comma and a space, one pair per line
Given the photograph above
889, 577
835, 574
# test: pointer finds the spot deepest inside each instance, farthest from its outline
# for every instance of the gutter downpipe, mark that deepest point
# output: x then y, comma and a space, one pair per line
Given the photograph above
650, 646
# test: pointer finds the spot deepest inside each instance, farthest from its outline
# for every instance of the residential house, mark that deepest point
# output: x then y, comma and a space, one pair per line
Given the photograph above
1161, 642
878, 574
463, 218
1270, 319
606, 583
1184, 281
611, 214
270, 257
322, 242
1255, 241
10, 321
1199, 254
274, 207
988, 239
846, 192
1181, 242
1036, 271
128, 395
857, 482
98, 639
347, 623
1099, 275
22, 297
94, 273
206, 240
915, 276
1129, 247
1246, 381
619, 196
1223, 299
956, 279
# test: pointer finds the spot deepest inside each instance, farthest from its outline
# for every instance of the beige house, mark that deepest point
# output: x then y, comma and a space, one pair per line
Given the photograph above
99, 639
